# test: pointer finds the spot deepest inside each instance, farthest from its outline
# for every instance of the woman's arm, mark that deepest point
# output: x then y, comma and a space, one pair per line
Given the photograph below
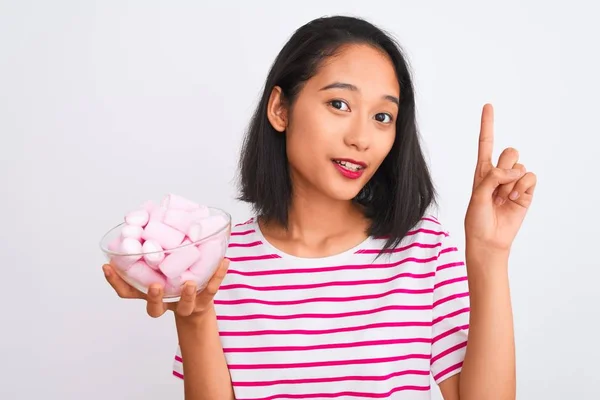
489, 368
206, 376
502, 195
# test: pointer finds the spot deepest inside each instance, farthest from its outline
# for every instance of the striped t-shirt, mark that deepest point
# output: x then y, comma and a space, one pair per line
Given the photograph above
348, 326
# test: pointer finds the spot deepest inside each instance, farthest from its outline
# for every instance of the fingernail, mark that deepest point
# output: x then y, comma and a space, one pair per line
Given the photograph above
499, 200
106, 270
513, 195
154, 291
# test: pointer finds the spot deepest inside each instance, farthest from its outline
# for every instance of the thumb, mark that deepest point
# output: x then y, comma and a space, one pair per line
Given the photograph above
497, 177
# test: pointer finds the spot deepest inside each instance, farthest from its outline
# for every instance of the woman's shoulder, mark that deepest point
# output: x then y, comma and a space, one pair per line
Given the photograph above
246, 242
422, 243
428, 228
245, 225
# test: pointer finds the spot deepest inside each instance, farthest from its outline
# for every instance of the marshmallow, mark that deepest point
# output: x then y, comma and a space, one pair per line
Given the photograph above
212, 224
211, 253
180, 280
119, 261
115, 245
149, 206
206, 227
132, 231
164, 235
131, 246
171, 290
195, 232
158, 214
137, 217
129, 253
123, 263
200, 213
178, 202
178, 261
143, 274
156, 244
155, 253
178, 219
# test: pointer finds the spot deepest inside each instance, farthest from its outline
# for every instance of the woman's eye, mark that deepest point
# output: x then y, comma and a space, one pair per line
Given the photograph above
384, 118
339, 105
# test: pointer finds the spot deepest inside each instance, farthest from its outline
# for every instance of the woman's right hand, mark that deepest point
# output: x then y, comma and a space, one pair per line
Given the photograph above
191, 303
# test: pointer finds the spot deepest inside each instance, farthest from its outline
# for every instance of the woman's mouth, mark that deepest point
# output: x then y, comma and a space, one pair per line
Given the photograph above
349, 168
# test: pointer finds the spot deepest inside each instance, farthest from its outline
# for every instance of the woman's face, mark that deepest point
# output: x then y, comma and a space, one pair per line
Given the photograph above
342, 124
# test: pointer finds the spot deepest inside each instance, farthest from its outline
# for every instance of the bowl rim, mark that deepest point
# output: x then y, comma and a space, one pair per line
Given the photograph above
204, 239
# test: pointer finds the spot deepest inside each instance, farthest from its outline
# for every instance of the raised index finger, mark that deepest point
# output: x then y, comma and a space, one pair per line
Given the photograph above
486, 136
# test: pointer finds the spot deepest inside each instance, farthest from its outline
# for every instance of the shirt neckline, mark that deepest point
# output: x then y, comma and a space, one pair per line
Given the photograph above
327, 259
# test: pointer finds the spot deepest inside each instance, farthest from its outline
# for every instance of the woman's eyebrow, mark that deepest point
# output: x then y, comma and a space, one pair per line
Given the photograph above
354, 88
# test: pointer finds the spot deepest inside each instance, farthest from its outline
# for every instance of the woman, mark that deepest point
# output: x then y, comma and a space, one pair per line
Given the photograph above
343, 285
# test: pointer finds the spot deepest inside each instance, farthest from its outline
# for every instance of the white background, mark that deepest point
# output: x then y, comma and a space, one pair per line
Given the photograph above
104, 104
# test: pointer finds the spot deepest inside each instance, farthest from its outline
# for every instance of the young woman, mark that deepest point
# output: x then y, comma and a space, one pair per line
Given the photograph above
343, 285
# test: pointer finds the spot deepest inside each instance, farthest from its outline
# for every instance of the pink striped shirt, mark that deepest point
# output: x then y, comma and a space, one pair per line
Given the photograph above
345, 326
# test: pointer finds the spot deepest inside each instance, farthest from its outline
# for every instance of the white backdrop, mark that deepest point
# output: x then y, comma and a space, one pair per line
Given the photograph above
104, 104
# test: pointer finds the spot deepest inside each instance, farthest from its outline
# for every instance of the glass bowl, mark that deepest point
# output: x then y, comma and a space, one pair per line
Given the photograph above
196, 257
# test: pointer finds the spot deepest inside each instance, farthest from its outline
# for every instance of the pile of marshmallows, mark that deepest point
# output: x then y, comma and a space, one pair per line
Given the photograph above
157, 244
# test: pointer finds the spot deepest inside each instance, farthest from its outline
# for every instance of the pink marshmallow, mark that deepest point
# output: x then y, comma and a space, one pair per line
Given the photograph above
180, 280
158, 214
200, 213
178, 219
156, 254
143, 274
206, 227
178, 261
149, 206
119, 261
129, 250
212, 224
123, 263
195, 232
211, 253
164, 235
171, 290
178, 202
137, 217
131, 246
115, 245
132, 231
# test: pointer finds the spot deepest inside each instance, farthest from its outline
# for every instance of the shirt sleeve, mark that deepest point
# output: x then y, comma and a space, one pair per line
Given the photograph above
450, 312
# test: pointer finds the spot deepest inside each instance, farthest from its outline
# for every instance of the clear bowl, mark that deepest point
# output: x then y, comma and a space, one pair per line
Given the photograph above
136, 269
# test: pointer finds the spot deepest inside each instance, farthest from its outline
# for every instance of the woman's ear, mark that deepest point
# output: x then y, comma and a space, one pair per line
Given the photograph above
277, 111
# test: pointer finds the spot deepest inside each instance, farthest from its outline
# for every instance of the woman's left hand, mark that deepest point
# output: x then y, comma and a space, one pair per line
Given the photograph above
501, 194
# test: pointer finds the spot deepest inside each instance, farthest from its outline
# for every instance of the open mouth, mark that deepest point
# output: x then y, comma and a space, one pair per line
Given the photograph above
349, 165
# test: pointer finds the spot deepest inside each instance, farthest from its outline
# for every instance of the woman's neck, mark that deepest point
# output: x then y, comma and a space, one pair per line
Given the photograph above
318, 226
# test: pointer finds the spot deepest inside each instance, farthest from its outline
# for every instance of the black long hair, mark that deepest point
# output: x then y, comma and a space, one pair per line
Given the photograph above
400, 191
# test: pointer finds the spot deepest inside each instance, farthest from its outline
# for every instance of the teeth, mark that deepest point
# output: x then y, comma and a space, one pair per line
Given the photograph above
349, 165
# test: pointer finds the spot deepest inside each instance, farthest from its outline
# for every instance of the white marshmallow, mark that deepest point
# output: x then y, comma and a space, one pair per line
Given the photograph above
131, 246
130, 249
137, 217
132, 231
156, 254
195, 232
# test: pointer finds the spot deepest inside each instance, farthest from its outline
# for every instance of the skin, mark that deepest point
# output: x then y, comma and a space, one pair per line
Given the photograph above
358, 122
